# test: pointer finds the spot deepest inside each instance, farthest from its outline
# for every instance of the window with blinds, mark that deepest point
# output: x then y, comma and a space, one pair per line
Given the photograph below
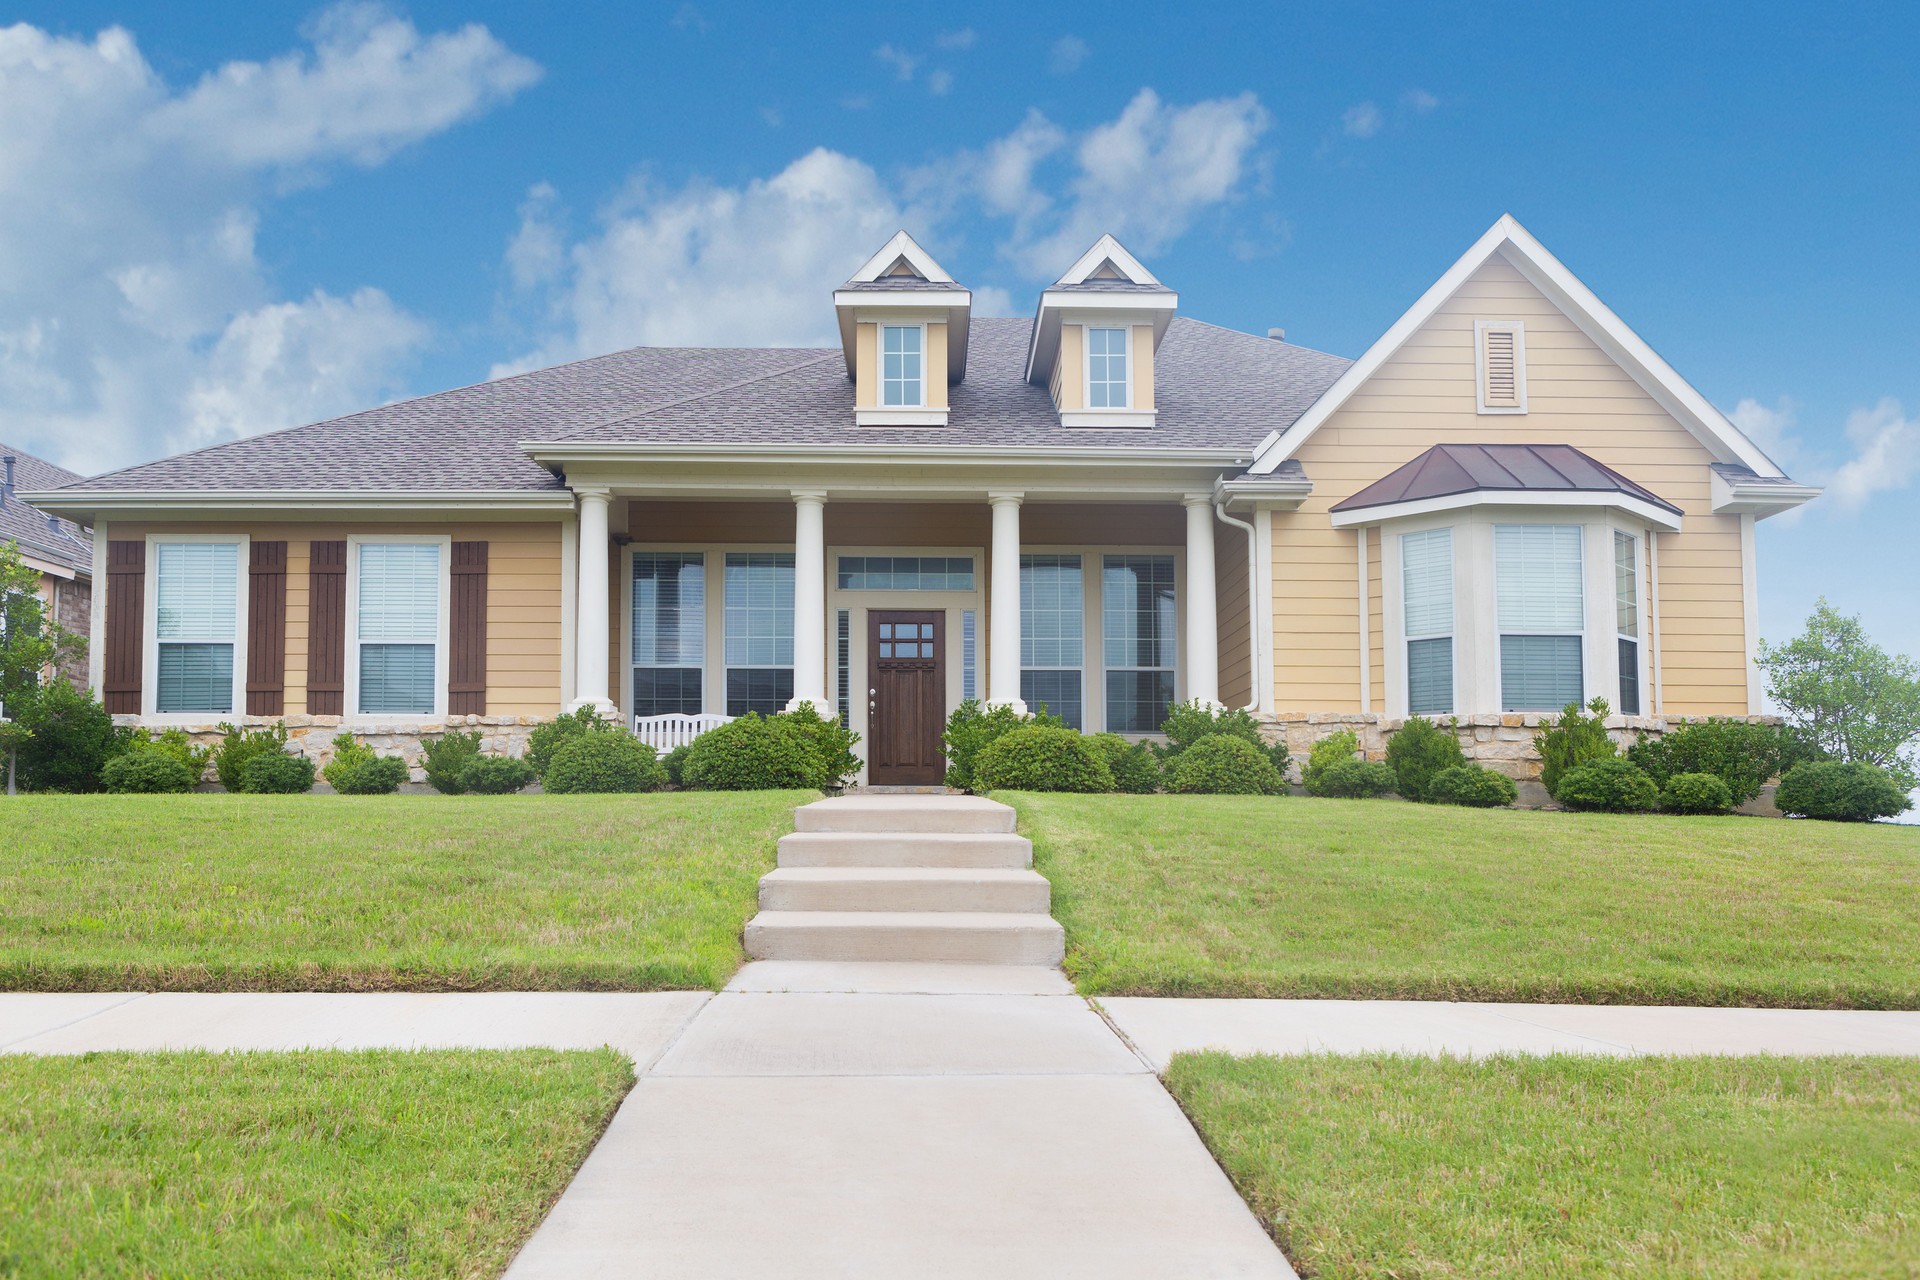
1138, 629
759, 631
397, 628
1540, 615
1426, 575
196, 622
1626, 618
669, 632
1053, 635
1501, 358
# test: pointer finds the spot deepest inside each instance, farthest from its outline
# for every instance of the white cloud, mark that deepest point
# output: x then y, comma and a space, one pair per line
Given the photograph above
1361, 121
1419, 101
1067, 55
755, 264
137, 317
964, 38
1772, 428
1886, 453
902, 62
939, 83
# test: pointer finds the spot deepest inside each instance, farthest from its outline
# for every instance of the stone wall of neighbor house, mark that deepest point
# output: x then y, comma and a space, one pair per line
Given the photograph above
312, 736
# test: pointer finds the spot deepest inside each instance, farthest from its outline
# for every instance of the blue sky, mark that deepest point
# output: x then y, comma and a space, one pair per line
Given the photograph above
220, 218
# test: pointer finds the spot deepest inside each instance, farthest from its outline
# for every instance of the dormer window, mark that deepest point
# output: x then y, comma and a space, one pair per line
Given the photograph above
1106, 368
903, 366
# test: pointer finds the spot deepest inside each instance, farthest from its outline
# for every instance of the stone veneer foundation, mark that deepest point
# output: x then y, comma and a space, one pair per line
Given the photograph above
312, 736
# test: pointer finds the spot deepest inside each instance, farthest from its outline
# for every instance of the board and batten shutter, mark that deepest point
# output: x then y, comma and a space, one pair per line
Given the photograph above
1501, 358
126, 620
267, 629
467, 631
327, 629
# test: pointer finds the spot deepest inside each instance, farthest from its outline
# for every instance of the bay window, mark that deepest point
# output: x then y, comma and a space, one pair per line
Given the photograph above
1052, 635
1626, 618
759, 631
1426, 569
196, 626
1541, 617
669, 632
1139, 625
398, 588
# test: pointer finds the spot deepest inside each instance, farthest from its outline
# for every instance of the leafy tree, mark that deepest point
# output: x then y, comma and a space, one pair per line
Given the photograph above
29, 643
1846, 695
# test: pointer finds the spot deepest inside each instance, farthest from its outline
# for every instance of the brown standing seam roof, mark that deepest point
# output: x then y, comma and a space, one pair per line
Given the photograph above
1449, 469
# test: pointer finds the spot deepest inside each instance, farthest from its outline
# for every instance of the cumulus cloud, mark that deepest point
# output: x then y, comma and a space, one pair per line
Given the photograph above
753, 264
1770, 426
964, 38
1886, 453
136, 317
1067, 55
1362, 120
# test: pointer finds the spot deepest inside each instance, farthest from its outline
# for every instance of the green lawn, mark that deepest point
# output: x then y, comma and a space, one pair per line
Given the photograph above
1251, 896
381, 893
1385, 1167
290, 1164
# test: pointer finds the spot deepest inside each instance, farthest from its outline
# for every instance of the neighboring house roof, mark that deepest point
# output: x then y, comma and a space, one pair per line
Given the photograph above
1216, 388
47, 538
1495, 472
1511, 241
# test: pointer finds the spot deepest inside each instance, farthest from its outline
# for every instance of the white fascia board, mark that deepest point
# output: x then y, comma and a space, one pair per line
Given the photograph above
52, 568
896, 417
1528, 256
1125, 419
905, 246
893, 300
1658, 517
280, 500
1733, 498
1107, 249
881, 454
1285, 495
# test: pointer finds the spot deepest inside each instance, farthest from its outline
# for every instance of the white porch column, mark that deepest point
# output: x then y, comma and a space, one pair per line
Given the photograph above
810, 602
593, 632
1202, 650
1003, 605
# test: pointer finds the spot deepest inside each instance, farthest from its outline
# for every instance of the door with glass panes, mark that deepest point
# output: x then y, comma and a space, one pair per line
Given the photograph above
906, 698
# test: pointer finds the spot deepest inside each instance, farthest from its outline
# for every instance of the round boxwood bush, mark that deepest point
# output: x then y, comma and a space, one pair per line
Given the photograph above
1472, 785
605, 760
548, 738
1418, 750
1042, 757
1840, 791
1224, 766
1135, 769
495, 775
1696, 793
754, 753
378, 776
277, 774
1354, 780
1608, 786
144, 771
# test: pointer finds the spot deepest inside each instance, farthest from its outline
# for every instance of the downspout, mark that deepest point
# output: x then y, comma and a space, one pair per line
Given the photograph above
1253, 599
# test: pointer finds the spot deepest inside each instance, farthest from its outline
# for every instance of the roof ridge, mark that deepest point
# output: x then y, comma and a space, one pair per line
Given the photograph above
796, 366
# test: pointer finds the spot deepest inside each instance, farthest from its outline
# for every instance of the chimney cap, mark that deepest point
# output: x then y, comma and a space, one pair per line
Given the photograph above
1278, 335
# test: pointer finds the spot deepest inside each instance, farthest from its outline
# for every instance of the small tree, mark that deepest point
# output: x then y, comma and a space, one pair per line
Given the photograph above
29, 643
1847, 695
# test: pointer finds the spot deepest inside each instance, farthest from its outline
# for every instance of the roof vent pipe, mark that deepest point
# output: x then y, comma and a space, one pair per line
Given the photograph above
1278, 335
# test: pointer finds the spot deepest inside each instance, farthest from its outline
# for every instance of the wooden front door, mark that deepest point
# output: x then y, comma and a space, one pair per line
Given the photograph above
907, 696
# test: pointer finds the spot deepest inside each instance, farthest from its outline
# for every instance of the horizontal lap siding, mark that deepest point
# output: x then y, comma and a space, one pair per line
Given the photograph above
1423, 396
1376, 626
1230, 596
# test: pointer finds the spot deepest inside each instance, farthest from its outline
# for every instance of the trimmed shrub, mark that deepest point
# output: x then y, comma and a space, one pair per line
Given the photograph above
359, 771
240, 748
1472, 785
972, 728
548, 738
495, 775
675, 763
1224, 765
1354, 780
1840, 791
1572, 741
176, 743
71, 738
1417, 751
604, 761
1336, 748
1742, 755
1190, 722
1696, 793
1608, 786
832, 742
1042, 757
446, 759
146, 771
1135, 769
349, 753
754, 753
276, 775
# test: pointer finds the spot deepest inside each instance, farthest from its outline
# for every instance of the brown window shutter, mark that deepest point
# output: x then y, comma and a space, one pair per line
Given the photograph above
467, 631
327, 629
126, 621
267, 629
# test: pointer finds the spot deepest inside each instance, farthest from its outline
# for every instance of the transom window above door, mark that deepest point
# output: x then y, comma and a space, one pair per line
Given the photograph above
902, 366
906, 573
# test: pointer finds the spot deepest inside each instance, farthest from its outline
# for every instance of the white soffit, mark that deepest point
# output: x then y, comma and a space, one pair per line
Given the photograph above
1528, 256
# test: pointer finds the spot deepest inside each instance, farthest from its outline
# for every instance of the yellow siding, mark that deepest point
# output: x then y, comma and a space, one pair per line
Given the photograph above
1423, 396
866, 365
1143, 367
523, 599
936, 369
1376, 627
1231, 604
1069, 385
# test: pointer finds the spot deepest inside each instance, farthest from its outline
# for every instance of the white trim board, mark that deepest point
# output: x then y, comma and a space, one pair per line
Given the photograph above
1508, 239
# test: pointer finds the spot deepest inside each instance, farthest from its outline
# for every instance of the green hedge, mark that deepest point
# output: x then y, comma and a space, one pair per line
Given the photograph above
1418, 751
1042, 757
145, 771
1472, 786
1608, 786
495, 775
1840, 791
604, 761
1702, 793
1224, 765
755, 753
1354, 780
1135, 769
276, 775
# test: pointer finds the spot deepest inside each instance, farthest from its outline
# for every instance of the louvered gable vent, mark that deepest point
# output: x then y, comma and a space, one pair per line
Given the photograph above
1501, 359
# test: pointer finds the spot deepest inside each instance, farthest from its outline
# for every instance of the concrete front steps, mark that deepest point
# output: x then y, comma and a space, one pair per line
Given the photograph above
905, 878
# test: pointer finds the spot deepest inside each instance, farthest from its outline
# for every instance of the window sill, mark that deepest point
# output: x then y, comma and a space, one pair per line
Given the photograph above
1107, 418
899, 417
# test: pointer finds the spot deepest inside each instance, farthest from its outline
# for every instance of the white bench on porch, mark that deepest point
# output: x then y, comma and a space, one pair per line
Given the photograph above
664, 733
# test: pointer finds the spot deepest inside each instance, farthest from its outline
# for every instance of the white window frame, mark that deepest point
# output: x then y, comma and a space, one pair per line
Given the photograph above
1452, 634
1583, 534
1641, 540
1519, 330
1086, 367
1098, 593
441, 648
880, 356
150, 629
708, 583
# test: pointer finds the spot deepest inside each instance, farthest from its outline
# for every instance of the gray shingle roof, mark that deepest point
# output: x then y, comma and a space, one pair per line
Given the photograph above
1449, 469
914, 284
1105, 285
1215, 388
64, 542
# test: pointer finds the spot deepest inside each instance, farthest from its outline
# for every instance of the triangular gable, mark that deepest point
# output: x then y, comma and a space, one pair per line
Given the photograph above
1512, 242
1107, 260
901, 251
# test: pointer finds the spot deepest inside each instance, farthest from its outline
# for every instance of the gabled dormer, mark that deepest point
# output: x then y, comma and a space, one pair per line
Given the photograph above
1095, 336
903, 326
